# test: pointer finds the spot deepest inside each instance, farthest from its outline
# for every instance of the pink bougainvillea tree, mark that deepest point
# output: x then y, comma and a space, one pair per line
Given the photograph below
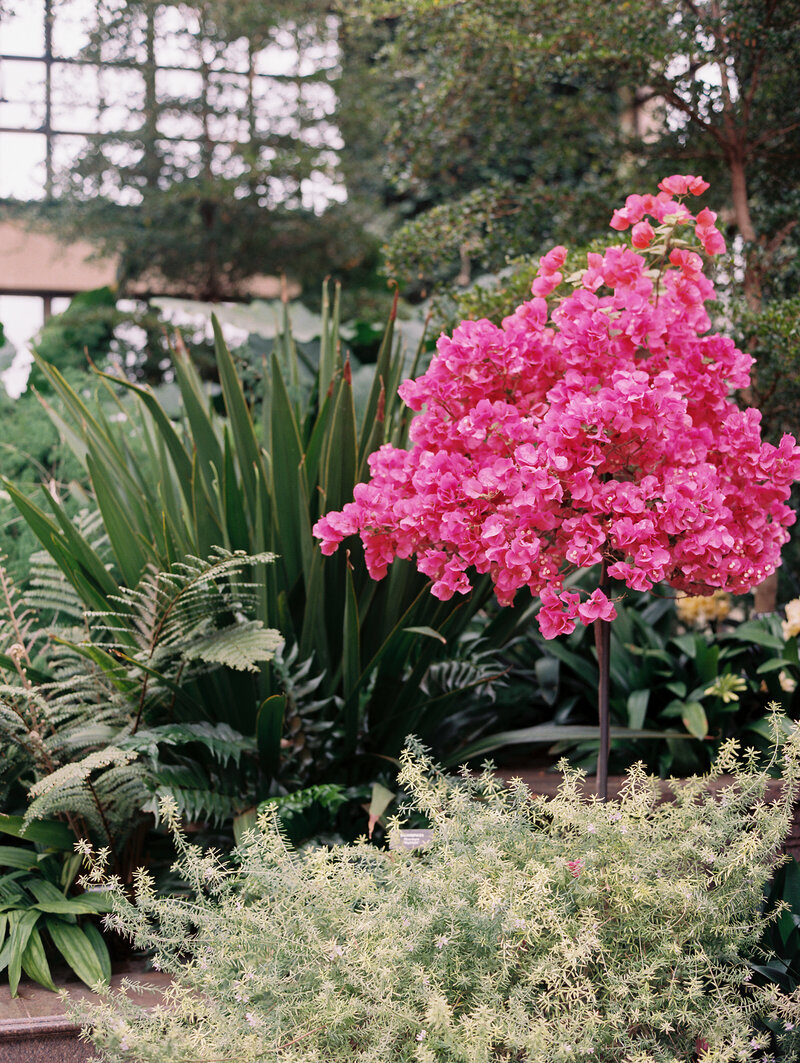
591, 428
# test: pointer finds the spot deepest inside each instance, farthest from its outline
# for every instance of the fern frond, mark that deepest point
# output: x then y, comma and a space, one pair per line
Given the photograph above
170, 611
225, 744
191, 790
107, 789
241, 646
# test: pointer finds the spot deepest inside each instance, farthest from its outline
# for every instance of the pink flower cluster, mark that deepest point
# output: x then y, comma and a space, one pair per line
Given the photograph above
597, 428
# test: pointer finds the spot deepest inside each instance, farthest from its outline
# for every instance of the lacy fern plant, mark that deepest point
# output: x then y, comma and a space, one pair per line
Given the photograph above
528, 930
99, 719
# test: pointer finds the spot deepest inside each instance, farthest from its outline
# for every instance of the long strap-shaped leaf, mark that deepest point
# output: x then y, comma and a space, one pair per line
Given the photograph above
251, 462
73, 555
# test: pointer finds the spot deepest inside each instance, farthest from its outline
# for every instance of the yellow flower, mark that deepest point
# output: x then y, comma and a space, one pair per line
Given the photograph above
697, 611
791, 625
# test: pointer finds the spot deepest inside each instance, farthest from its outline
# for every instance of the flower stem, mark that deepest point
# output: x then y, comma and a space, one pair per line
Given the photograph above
602, 641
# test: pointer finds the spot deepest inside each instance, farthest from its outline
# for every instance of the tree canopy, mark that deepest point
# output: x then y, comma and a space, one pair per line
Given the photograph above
529, 109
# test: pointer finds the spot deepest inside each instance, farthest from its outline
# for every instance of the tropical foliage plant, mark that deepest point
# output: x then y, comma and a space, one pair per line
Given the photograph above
166, 491
100, 712
524, 928
38, 909
676, 692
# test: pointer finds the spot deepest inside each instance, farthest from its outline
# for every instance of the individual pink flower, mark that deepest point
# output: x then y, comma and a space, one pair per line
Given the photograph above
598, 607
642, 234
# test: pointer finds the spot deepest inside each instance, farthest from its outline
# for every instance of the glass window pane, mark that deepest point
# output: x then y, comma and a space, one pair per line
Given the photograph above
177, 29
121, 94
72, 22
22, 30
22, 94
22, 172
76, 97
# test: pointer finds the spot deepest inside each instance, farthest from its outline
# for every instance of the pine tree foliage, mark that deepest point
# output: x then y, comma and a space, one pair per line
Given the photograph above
527, 929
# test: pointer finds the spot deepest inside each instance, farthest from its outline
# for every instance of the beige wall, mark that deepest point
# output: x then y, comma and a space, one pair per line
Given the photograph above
35, 263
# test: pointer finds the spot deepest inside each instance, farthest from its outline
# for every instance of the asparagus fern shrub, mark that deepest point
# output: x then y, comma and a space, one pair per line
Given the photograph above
526, 929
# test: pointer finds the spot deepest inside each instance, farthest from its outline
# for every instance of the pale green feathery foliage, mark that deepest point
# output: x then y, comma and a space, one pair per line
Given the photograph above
526, 930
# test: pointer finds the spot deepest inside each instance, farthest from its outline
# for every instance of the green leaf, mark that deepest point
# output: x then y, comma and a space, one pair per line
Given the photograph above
694, 719
95, 939
638, 701
47, 832
15, 856
775, 665
243, 822
125, 543
548, 733
428, 631
351, 655
34, 961
22, 924
269, 728
77, 950
286, 456
248, 451
380, 801
754, 631
243, 647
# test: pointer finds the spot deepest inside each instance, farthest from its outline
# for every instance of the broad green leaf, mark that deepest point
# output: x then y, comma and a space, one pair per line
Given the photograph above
340, 459
122, 536
95, 939
21, 924
245, 821
548, 733
15, 856
286, 456
775, 665
754, 631
694, 719
77, 950
195, 405
233, 502
47, 832
34, 961
180, 457
33, 674
93, 594
379, 802
638, 701
247, 448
